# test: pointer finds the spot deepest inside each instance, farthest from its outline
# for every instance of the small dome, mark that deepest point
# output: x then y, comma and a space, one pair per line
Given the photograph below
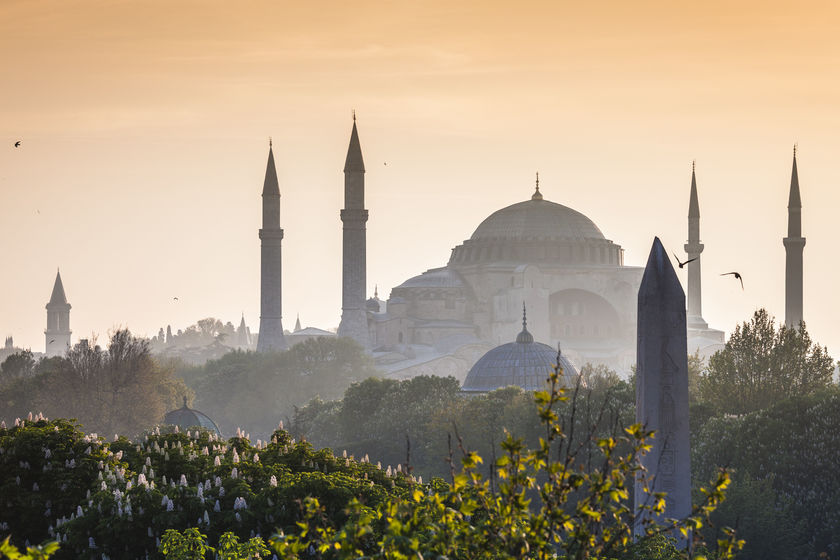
524, 363
186, 417
537, 218
373, 305
443, 277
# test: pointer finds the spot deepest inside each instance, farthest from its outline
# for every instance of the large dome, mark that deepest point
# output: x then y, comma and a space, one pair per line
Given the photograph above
537, 231
536, 219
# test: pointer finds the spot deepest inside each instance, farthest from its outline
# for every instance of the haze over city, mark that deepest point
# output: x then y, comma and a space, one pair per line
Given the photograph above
144, 132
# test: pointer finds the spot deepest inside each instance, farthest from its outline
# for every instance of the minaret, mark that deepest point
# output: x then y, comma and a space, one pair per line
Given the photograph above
354, 216
794, 245
271, 337
58, 330
693, 247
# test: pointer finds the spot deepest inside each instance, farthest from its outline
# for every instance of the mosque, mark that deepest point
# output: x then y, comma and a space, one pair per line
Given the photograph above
556, 261
536, 253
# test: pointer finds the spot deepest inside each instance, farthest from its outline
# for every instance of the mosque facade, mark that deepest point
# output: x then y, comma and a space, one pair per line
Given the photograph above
578, 291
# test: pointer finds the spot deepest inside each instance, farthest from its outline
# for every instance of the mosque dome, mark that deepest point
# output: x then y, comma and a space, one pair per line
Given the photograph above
524, 363
186, 417
537, 219
537, 231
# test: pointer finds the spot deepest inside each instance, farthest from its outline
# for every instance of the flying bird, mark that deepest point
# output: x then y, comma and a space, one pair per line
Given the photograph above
175, 298
682, 264
51, 341
17, 144
736, 275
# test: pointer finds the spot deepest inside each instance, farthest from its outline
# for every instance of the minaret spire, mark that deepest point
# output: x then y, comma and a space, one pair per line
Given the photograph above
271, 237
794, 246
694, 248
58, 331
354, 216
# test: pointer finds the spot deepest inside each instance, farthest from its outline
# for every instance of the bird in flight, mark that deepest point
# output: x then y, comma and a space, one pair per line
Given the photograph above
682, 264
175, 298
51, 341
736, 275
17, 144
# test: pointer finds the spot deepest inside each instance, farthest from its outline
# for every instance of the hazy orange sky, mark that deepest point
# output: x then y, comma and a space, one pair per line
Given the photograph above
144, 129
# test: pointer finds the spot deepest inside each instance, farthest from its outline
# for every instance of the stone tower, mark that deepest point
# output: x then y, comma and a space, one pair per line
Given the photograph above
354, 216
271, 337
794, 245
58, 330
662, 388
693, 248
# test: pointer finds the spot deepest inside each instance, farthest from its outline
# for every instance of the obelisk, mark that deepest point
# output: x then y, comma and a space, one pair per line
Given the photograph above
662, 388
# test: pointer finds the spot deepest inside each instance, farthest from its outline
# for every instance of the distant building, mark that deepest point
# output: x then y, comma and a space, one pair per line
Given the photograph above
556, 260
303, 334
57, 333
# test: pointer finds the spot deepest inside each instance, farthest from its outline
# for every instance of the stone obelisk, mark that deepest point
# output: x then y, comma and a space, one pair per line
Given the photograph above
662, 387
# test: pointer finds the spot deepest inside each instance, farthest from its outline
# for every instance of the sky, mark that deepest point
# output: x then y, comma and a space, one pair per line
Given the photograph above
144, 130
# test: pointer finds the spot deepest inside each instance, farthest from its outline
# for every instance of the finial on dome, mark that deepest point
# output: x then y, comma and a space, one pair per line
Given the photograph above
537, 195
376, 291
524, 337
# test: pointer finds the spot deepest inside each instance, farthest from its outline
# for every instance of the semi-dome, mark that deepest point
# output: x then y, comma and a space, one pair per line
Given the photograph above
524, 363
186, 417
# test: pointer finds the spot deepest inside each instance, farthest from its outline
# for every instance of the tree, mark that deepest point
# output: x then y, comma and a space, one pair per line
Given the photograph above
257, 390
786, 491
117, 389
762, 364
20, 364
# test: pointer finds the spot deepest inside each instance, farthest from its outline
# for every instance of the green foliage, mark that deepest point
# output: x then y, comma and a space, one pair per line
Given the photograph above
20, 364
40, 552
785, 457
118, 498
191, 544
549, 504
255, 389
761, 365
119, 389
375, 416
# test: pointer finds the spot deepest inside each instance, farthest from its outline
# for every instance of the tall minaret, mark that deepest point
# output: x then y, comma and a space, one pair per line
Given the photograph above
271, 236
58, 330
794, 245
693, 247
354, 216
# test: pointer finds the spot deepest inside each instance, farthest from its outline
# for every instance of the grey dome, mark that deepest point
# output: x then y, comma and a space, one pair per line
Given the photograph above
524, 363
537, 218
186, 417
